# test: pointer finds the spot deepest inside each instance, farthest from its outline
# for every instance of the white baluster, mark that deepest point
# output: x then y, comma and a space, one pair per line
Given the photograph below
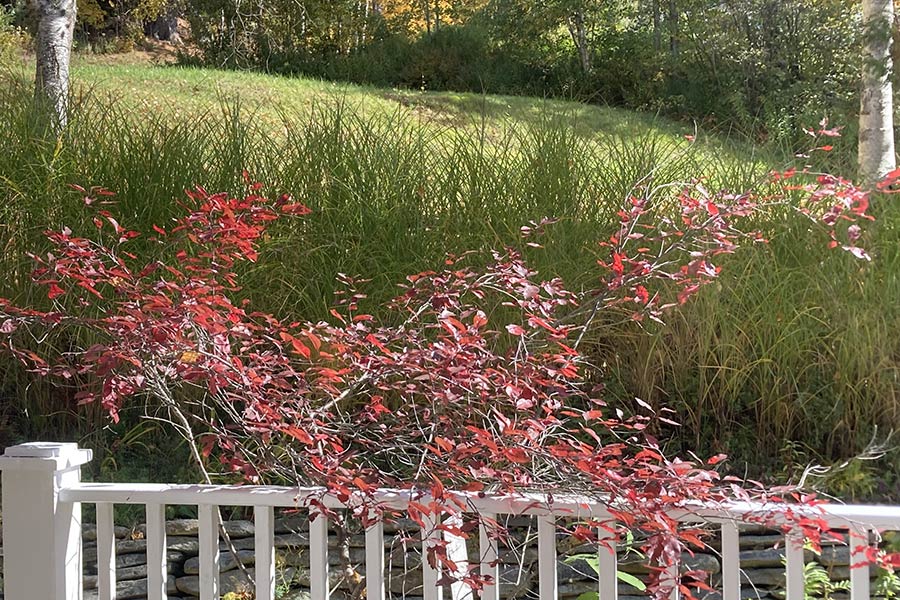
547, 557
318, 558
793, 551
609, 584
731, 562
490, 563
157, 569
375, 562
859, 576
209, 551
459, 555
106, 552
672, 577
264, 536
430, 575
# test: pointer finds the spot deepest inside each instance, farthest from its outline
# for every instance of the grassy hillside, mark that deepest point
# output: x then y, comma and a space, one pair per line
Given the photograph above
791, 358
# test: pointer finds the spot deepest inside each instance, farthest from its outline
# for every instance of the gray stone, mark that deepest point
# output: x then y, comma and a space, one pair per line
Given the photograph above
131, 560
773, 557
131, 546
297, 595
302, 578
129, 590
239, 529
231, 581
515, 582
750, 593
135, 572
575, 588
763, 577
299, 557
575, 570
89, 582
697, 562
515, 557
89, 532
760, 541
293, 523
401, 525
227, 562
293, 540
241, 544
407, 578
188, 545
123, 547
183, 527
834, 556
140, 571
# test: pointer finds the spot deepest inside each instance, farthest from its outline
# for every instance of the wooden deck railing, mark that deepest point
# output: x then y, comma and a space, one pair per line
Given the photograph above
43, 493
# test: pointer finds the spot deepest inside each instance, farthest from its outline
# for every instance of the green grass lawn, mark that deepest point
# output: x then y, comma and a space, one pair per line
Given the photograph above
181, 91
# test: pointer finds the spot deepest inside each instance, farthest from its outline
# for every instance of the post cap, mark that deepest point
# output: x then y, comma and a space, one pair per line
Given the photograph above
41, 450
53, 455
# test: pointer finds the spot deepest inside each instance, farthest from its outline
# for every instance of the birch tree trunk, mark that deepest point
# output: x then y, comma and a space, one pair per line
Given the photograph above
579, 36
876, 119
53, 47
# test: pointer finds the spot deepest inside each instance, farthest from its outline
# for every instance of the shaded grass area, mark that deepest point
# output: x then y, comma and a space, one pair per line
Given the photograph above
791, 357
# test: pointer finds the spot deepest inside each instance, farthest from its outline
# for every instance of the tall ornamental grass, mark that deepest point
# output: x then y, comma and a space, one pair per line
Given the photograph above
777, 362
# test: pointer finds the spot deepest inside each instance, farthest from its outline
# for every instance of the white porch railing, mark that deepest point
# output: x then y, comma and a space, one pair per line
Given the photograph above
42, 496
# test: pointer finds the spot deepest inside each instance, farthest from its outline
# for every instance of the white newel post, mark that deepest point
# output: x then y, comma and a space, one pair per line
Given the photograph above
41, 535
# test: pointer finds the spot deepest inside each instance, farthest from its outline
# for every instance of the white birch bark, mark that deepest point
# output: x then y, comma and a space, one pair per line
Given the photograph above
876, 119
579, 36
53, 47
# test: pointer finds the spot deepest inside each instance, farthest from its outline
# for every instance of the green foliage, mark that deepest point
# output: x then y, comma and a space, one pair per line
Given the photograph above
13, 38
817, 583
766, 67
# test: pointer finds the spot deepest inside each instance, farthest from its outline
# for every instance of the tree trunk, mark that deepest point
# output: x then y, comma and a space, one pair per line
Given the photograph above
579, 36
165, 26
657, 26
53, 47
876, 123
426, 10
673, 29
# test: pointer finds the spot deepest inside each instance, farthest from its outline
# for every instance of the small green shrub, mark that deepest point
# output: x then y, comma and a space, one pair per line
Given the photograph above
13, 38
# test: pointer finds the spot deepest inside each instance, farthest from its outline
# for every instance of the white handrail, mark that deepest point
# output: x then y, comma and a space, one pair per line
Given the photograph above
527, 503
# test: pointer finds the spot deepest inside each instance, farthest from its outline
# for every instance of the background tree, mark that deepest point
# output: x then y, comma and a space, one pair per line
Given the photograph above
53, 47
876, 123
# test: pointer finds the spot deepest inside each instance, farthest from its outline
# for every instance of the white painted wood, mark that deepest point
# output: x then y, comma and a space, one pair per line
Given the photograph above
375, 562
209, 551
318, 558
546, 528
671, 578
793, 552
859, 576
42, 526
836, 515
264, 544
430, 574
157, 569
609, 582
41, 531
106, 552
731, 562
490, 558
459, 555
